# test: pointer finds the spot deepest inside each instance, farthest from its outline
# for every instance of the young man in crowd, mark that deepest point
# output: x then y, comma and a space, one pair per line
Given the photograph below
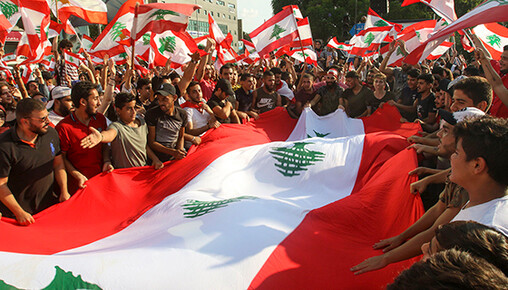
60, 105
479, 166
408, 244
200, 117
166, 126
128, 136
328, 98
356, 96
220, 104
244, 95
30, 161
408, 96
266, 98
305, 94
83, 164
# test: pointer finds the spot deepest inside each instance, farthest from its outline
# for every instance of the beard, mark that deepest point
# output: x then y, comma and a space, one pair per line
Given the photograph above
38, 130
90, 110
330, 84
64, 111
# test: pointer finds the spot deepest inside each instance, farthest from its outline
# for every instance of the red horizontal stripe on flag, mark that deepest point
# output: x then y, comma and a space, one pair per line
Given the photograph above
272, 21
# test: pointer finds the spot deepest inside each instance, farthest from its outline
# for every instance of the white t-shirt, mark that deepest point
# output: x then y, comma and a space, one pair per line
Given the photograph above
493, 214
54, 117
198, 119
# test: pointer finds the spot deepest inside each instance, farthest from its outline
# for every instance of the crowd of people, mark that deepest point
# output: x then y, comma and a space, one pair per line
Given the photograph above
64, 127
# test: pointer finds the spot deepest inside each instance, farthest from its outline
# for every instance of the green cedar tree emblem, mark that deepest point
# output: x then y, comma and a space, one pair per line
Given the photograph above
146, 39
62, 280
304, 55
159, 14
277, 30
8, 9
167, 44
494, 40
123, 55
71, 59
381, 23
399, 51
320, 135
196, 208
418, 34
116, 31
295, 159
369, 38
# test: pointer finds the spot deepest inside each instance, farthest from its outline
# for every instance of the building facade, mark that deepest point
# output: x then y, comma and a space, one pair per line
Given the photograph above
225, 13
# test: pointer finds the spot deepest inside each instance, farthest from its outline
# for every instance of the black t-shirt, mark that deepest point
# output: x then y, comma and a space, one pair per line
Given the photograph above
408, 98
29, 170
374, 102
214, 102
329, 101
426, 106
244, 100
357, 104
167, 127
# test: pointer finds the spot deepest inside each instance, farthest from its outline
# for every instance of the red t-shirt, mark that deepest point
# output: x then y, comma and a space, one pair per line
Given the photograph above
207, 87
498, 109
71, 131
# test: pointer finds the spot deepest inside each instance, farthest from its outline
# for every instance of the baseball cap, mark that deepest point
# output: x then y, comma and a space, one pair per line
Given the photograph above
58, 92
225, 86
460, 115
166, 89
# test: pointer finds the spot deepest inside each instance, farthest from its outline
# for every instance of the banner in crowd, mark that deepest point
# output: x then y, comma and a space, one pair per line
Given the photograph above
255, 205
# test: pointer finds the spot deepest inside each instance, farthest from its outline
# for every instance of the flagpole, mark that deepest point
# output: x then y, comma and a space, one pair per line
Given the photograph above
133, 33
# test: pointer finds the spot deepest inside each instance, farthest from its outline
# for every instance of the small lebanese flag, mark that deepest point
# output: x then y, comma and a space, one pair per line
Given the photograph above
333, 43
93, 11
35, 15
368, 39
201, 41
116, 31
214, 30
304, 33
374, 20
254, 206
278, 31
443, 8
9, 57
251, 55
73, 58
174, 45
296, 11
308, 55
490, 10
494, 37
440, 50
86, 43
27, 74
160, 17
49, 62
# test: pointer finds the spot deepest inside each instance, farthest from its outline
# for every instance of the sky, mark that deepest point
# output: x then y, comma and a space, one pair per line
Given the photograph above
254, 13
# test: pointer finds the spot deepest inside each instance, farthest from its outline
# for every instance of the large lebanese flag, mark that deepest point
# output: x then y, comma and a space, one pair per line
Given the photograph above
276, 32
304, 33
254, 206
494, 37
488, 11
